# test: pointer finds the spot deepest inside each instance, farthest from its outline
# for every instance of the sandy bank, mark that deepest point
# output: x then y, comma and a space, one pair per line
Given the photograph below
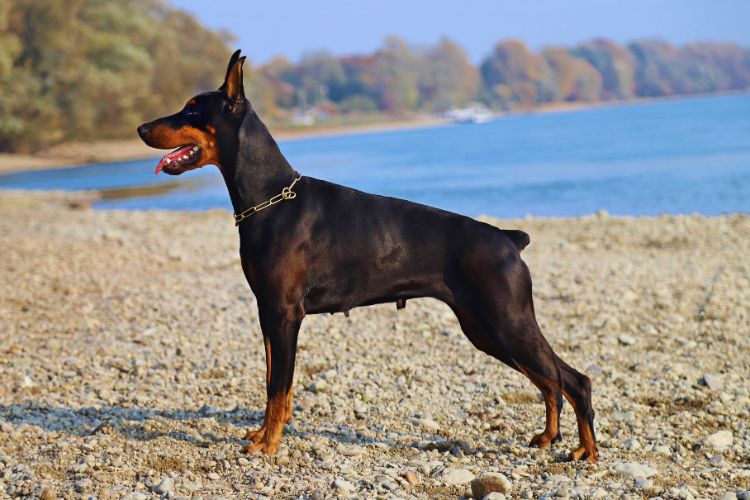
132, 362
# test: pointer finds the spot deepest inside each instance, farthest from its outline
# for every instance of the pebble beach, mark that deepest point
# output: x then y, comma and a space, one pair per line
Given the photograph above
132, 364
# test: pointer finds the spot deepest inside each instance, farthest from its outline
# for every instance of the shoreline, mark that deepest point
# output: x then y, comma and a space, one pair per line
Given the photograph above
76, 154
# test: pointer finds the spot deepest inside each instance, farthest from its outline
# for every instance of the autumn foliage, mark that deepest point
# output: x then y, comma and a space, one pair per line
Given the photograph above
92, 69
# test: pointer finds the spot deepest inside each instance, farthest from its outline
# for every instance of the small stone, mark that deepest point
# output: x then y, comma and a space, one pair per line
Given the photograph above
650, 330
428, 424
642, 483
494, 496
720, 440
633, 469
626, 339
662, 450
47, 494
244, 462
165, 487
82, 484
631, 444
342, 484
350, 451
134, 495
611, 323
488, 483
411, 477
457, 476
283, 460
318, 386
213, 476
713, 382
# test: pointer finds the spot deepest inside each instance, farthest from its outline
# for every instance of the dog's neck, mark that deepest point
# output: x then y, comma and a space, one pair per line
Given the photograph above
254, 170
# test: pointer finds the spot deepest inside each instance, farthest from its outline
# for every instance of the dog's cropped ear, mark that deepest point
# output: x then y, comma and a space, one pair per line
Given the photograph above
233, 86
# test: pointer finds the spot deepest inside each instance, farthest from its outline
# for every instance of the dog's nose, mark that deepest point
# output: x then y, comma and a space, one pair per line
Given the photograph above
142, 131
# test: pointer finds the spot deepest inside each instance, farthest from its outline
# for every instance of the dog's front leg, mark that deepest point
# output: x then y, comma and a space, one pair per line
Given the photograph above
280, 329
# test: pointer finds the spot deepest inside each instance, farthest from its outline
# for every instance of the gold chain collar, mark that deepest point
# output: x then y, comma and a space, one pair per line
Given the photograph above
285, 194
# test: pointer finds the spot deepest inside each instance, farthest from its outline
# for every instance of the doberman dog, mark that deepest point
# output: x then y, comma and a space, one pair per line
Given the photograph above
308, 246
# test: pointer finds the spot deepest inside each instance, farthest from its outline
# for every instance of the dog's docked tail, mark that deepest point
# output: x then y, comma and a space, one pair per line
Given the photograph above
519, 238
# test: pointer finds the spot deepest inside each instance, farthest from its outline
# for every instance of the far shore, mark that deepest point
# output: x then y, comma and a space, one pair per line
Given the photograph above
113, 151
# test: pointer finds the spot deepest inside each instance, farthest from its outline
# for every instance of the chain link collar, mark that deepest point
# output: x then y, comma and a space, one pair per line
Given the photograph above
286, 194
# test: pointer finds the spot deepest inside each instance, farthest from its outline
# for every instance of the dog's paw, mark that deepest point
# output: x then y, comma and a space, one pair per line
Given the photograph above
581, 453
256, 436
263, 446
544, 440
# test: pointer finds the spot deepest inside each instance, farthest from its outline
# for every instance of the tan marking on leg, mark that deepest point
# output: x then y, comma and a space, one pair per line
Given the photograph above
289, 404
552, 418
587, 446
274, 426
552, 427
257, 435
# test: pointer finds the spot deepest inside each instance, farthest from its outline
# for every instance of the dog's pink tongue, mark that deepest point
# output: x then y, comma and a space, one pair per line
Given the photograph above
161, 164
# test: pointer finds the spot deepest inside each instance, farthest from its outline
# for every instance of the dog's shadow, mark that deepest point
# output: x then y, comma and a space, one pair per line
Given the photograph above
145, 424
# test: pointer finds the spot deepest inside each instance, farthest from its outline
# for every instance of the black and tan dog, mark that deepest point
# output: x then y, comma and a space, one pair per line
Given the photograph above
308, 246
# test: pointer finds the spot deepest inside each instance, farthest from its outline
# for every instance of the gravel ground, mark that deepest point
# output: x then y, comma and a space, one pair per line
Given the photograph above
132, 363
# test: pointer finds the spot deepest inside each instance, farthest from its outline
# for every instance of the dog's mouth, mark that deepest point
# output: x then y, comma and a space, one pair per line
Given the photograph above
180, 160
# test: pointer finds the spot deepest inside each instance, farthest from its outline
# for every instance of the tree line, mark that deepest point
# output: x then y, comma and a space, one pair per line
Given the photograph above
93, 69
399, 78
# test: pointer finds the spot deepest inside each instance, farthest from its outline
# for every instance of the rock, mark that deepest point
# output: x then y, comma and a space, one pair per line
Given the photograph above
662, 450
494, 496
650, 330
611, 323
411, 477
213, 476
713, 382
626, 339
457, 476
165, 487
350, 451
342, 484
82, 484
488, 483
642, 483
720, 440
631, 444
428, 424
47, 494
318, 386
134, 495
633, 469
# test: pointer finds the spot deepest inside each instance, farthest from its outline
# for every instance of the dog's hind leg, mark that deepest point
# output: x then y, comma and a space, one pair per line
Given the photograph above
493, 301
280, 329
523, 348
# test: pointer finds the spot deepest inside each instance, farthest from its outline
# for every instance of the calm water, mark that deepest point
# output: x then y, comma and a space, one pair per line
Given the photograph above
668, 157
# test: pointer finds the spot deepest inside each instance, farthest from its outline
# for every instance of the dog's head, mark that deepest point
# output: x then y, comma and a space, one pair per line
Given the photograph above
200, 128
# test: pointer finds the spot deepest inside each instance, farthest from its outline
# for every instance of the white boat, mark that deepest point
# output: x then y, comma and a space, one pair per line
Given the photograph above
469, 114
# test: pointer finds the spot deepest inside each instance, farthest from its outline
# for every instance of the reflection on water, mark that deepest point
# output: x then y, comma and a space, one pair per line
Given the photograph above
666, 157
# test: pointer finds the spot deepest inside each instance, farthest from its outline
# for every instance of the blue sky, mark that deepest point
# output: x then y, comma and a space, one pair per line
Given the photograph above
291, 28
